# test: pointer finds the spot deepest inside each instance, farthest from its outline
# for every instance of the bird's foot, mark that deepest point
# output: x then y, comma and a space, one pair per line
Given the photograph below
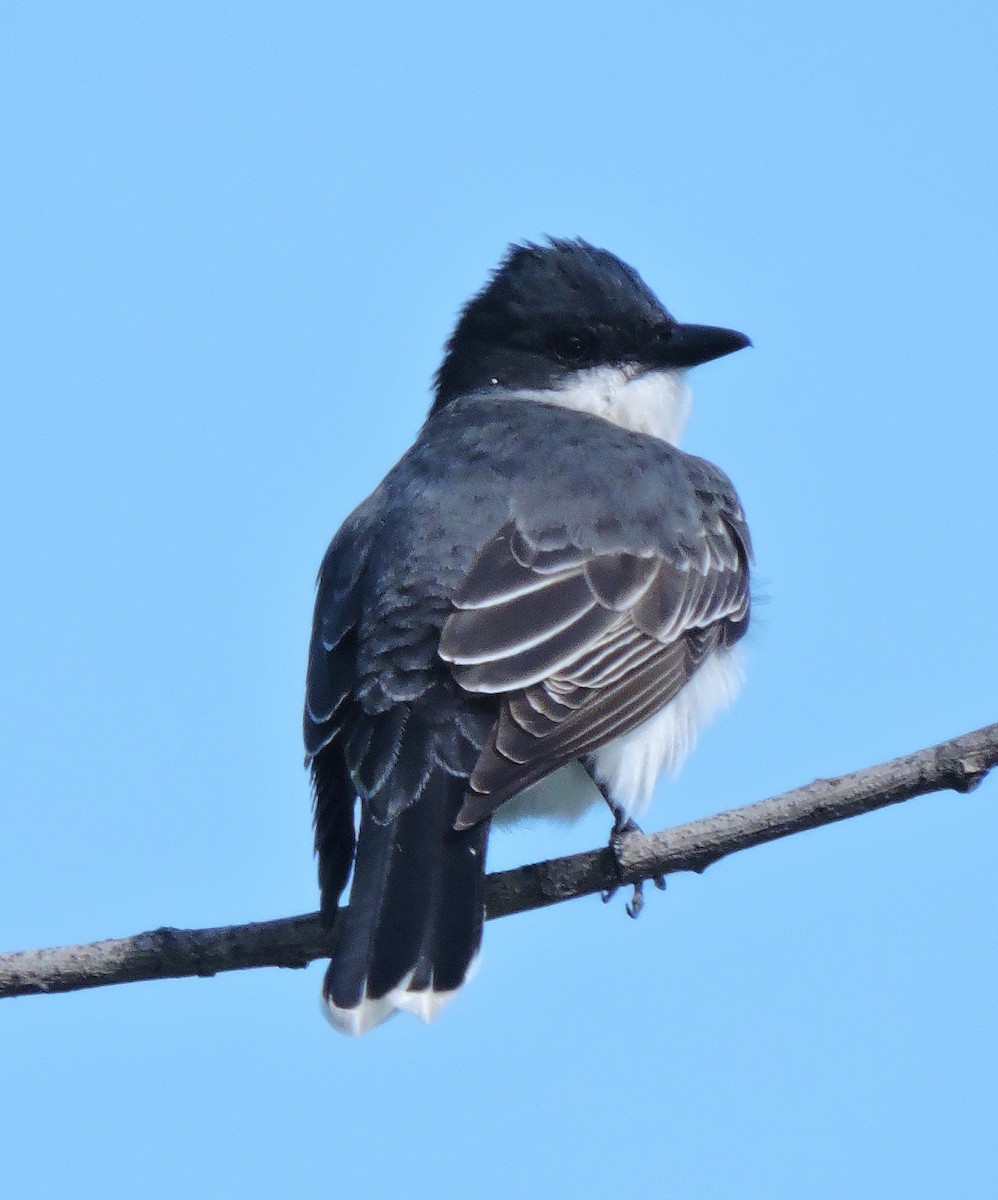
623, 827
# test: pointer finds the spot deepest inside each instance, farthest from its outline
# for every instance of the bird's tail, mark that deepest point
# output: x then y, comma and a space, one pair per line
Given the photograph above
411, 932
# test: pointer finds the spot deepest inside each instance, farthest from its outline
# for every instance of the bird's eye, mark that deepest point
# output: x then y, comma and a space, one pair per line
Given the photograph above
572, 347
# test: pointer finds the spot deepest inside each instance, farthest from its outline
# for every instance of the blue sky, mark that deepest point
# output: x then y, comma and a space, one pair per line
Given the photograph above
233, 242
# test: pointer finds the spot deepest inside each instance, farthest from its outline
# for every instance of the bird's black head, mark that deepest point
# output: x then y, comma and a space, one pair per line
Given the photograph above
549, 311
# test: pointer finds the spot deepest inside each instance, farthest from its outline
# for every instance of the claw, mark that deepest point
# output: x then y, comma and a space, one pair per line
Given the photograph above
623, 827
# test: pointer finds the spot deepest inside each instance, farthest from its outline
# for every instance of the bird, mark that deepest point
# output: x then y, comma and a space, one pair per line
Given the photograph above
538, 606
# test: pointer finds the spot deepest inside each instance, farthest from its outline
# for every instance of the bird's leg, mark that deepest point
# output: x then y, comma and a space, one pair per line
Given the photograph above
622, 829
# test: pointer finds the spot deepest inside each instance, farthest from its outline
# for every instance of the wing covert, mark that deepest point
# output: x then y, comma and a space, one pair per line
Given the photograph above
584, 645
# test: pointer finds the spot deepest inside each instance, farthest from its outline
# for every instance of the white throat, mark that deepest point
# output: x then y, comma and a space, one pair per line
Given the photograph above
653, 402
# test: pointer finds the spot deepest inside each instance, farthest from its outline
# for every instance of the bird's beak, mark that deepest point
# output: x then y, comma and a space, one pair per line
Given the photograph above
691, 345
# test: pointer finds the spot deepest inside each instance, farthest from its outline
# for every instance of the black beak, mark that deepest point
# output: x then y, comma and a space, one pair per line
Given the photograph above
691, 345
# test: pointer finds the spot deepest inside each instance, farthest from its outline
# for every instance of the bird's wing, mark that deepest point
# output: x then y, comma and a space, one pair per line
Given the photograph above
332, 651
583, 644
380, 734
331, 677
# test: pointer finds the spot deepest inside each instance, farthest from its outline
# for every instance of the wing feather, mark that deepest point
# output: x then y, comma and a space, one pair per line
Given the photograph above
516, 625
544, 657
618, 581
583, 645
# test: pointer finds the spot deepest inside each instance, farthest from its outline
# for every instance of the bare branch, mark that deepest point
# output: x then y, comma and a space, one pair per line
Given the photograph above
960, 765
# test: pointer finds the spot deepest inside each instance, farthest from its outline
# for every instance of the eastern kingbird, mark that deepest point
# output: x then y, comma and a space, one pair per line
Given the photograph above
543, 586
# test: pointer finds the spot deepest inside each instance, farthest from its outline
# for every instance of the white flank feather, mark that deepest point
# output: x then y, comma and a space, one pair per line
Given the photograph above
630, 765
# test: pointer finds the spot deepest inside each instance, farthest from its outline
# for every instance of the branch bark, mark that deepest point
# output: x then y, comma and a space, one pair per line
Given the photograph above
960, 765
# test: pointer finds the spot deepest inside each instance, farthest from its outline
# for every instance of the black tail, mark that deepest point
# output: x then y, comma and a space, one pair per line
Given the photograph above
412, 929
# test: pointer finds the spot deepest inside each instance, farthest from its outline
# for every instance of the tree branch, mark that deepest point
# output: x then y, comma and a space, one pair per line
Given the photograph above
960, 765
